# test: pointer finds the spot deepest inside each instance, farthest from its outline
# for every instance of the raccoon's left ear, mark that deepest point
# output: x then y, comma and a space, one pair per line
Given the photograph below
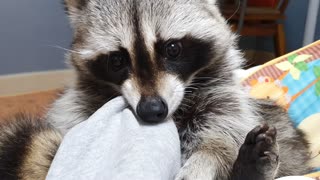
72, 6
73, 9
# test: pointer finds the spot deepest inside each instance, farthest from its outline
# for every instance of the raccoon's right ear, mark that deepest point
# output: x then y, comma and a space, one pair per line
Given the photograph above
73, 6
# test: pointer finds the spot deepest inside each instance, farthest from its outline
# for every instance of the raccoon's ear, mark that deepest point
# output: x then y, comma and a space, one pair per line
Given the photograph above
72, 6
212, 1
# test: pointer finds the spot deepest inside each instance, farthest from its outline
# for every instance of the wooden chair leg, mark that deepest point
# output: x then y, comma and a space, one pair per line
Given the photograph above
280, 41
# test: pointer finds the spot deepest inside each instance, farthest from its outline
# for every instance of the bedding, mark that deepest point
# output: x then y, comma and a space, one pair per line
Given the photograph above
293, 82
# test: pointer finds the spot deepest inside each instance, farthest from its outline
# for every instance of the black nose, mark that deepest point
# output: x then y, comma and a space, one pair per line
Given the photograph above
152, 109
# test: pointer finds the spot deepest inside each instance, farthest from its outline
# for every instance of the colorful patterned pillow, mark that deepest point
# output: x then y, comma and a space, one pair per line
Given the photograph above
293, 82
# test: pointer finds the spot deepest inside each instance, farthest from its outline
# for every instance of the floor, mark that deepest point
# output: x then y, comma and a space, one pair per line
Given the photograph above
34, 104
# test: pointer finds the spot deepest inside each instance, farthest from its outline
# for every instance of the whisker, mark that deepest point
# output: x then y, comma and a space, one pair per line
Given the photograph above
203, 77
65, 49
190, 87
185, 105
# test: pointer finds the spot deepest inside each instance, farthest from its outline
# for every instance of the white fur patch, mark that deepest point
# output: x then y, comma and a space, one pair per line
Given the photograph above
212, 2
171, 89
131, 93
66, 112
199, 166
196, 23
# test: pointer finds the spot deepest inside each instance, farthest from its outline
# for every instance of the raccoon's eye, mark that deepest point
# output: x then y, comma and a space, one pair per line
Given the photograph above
173, 49
118, 61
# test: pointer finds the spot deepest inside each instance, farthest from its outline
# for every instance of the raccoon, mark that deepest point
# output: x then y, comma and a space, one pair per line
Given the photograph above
168, 58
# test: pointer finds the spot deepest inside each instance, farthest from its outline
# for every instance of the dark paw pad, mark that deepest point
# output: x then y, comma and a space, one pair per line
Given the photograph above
259, 152
261, 144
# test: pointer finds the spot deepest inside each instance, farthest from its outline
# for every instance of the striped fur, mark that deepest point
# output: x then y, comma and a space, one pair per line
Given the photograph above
27, 148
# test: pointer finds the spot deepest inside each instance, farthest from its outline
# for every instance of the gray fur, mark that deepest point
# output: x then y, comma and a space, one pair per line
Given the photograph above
215, 114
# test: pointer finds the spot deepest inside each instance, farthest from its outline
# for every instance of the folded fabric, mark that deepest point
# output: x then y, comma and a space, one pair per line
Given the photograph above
113, 145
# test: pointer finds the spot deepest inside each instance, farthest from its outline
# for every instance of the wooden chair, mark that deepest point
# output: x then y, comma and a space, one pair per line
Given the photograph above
259, 21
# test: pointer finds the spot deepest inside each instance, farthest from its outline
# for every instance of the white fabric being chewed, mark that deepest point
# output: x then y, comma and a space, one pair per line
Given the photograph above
113, 145
295, 178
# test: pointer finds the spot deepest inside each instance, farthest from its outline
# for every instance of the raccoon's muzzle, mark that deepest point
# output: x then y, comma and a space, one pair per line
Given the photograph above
152, 109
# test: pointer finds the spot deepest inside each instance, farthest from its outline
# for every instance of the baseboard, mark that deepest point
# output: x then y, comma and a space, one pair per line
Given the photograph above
32, 82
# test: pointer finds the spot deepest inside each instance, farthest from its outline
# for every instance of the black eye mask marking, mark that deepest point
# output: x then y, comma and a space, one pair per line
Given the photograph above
113, 68
184, 56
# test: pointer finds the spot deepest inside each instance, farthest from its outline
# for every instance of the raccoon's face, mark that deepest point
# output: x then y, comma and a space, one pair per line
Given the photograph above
149, 50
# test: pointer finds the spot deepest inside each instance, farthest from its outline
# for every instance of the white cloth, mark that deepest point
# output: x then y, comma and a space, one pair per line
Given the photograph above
242, 73
113, 145
295, 178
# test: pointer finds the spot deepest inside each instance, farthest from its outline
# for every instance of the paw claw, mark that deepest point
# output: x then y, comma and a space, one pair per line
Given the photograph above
272, 132
271, 156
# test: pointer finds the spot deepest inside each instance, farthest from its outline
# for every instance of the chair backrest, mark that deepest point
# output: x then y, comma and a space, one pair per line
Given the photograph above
276, 4
282, 5
230, 8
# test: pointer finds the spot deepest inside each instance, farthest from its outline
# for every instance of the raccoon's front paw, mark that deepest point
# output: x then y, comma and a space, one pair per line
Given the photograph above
193, 173
259, 152
199, 166
261, 141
